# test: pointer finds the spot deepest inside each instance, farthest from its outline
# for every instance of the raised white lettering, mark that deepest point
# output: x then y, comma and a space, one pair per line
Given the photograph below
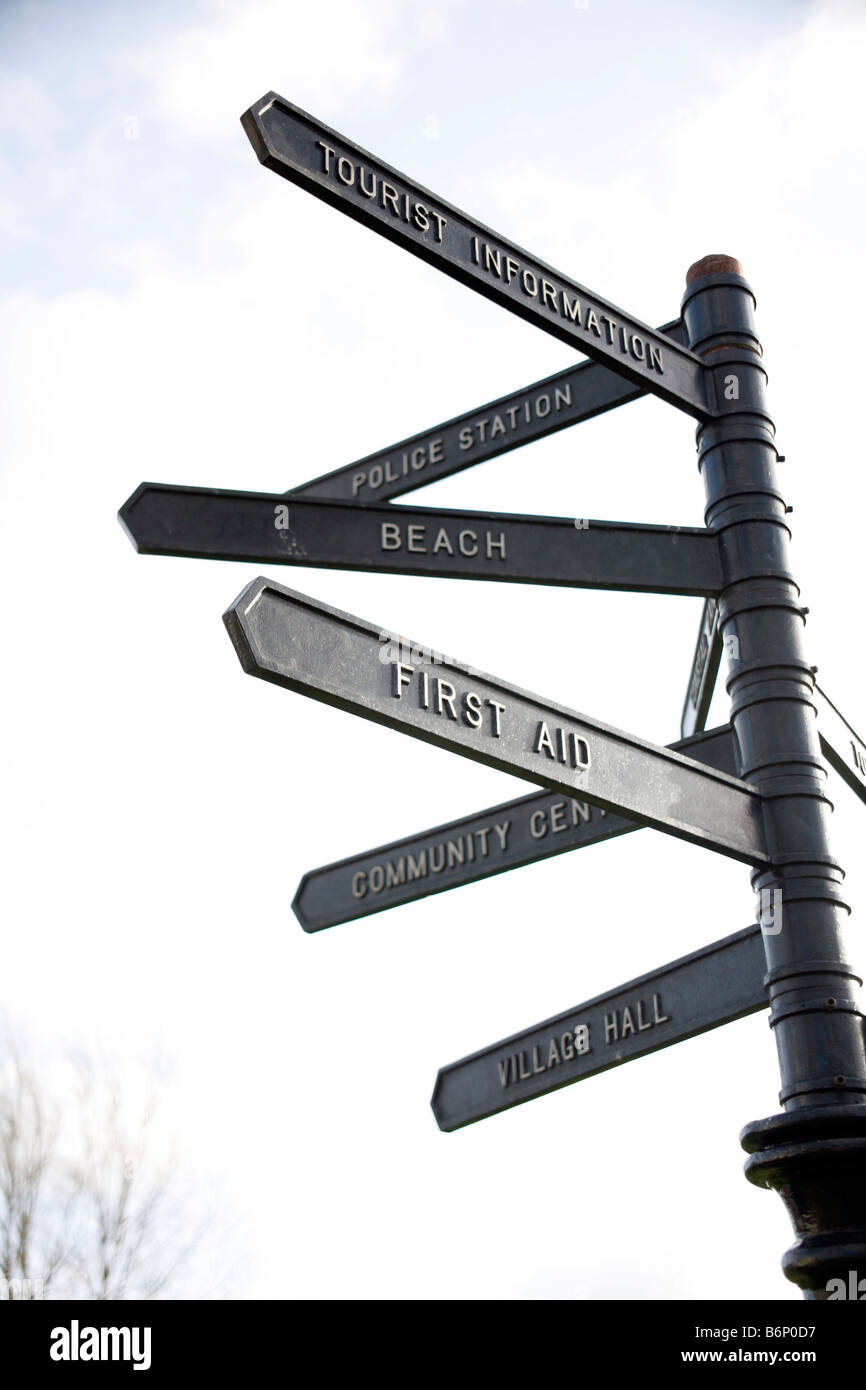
543, 741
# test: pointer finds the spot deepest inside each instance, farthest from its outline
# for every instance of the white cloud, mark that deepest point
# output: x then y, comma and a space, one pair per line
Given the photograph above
327, 56
780, 132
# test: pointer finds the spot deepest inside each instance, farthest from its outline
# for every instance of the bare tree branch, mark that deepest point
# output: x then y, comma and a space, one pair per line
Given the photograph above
87, 1206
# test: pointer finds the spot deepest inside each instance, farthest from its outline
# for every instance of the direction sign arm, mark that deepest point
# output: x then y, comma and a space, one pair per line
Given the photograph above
844, 750
219, 524
709, 987
292, 640
475, 847
705, 668
307, 153
567, 398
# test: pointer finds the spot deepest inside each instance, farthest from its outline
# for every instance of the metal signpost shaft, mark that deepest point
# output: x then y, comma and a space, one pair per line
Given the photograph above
814, 1153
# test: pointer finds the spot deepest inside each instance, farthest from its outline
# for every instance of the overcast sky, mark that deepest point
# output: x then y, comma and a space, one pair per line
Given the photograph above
174, 312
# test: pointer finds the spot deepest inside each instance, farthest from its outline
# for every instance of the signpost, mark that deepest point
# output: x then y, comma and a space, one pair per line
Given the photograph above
218, 524
597, 780
292, 640
326, 164
569, 397
715, 985
813, 1152
448, 856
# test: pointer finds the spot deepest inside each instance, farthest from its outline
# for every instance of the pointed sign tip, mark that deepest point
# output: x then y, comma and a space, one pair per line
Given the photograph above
124, 515
434, 1106
258, 108
124, 512
251, 120
248, 592
298, 910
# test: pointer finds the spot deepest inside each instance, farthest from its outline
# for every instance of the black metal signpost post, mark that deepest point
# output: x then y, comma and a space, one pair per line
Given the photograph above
753, 790
814, 1153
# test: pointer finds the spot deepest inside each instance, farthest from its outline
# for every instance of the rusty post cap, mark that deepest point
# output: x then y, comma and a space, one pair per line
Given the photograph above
713, 265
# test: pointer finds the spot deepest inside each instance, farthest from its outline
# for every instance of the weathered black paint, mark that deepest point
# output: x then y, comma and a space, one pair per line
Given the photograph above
296, 145
715, 985
814, 1153
218, 524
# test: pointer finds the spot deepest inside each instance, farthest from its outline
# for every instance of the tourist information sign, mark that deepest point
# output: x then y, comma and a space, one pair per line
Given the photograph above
569, 397
700, 991
502, 837
219, 524
326, 164
843, 749
705, 668
285, 637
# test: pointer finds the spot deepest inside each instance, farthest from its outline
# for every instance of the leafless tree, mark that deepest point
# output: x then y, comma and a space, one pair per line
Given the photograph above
27, 1147
91, 1201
